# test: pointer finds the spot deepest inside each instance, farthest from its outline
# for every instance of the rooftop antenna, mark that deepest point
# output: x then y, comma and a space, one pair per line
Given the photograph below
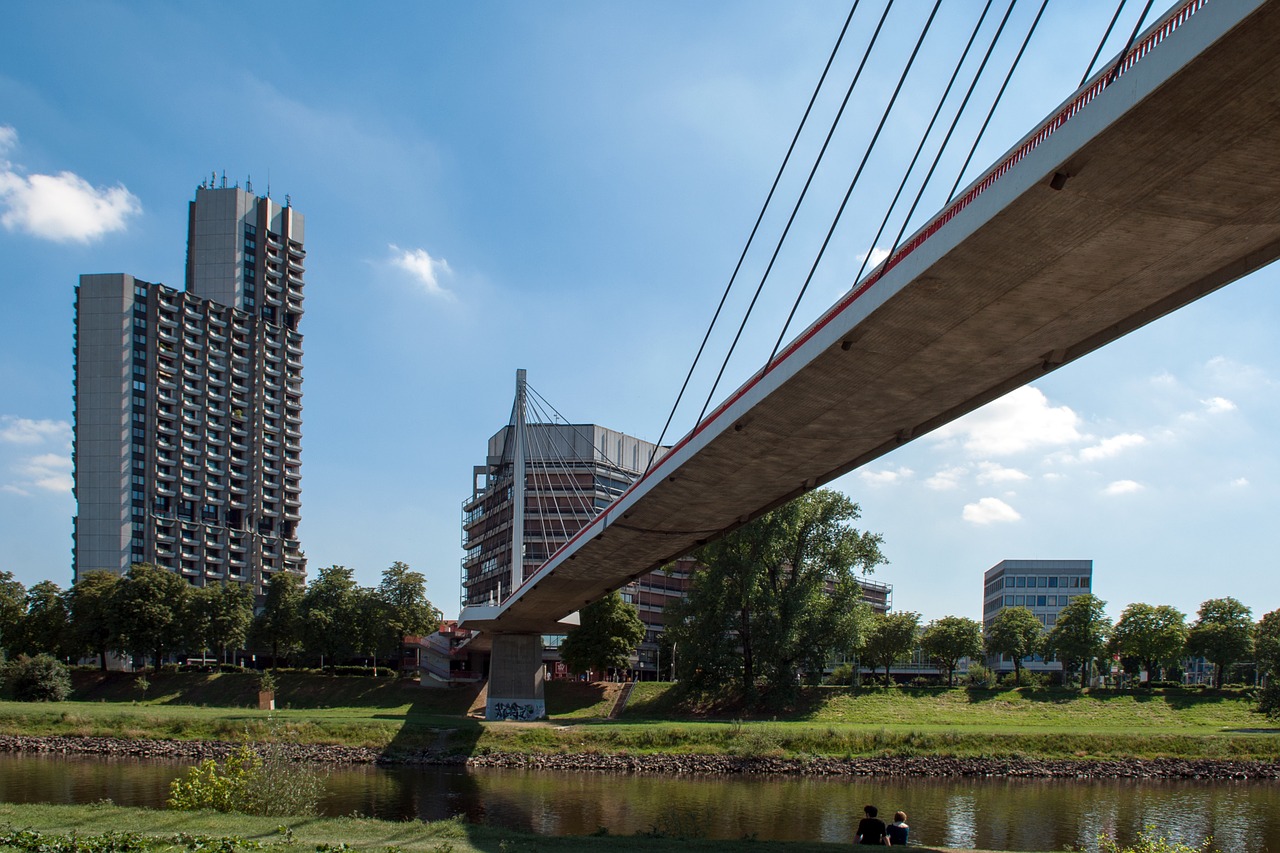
287, 200
268, 182
213, 178
248, 184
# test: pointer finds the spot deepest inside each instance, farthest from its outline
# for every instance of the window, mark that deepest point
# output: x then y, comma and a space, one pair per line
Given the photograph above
1021, 582
1053, 583
1040, 602
1075, 582
1008, 601
1084, 583
1019, 600
1008, 582
1042, 582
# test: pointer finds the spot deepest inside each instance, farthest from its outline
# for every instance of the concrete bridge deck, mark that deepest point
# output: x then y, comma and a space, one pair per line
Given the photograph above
1169, 189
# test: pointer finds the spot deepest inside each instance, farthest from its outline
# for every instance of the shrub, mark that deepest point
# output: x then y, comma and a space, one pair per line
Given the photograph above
980, 676
246, 783
1149, 842
842, 674
1269, 698
42, 678
366, 671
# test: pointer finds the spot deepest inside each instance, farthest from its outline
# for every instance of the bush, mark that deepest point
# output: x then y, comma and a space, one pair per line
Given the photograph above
1269, 698
42, 678
248, 784
842, 674
1149, 842
366, 671
980, 676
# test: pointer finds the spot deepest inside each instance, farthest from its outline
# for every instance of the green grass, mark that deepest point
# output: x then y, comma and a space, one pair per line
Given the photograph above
391, 715
359, 833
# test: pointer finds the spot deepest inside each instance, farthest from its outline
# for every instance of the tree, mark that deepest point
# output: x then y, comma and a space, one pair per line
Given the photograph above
1016, 632
220, 616
13, 607
609, 632
776, 596
1155, 635
91, 607
1080, 634
1222, 634
149, 607
279, 626
951, 638
1267, 643
888, 638
45, 627
329, 613
407, 611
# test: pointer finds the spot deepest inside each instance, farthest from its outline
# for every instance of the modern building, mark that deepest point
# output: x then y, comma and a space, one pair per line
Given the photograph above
1042, 586
188, 403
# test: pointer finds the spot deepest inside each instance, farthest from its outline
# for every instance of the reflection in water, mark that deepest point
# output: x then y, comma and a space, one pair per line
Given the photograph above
995, 814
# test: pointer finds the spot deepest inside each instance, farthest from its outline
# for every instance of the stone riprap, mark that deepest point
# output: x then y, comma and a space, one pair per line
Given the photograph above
937, 766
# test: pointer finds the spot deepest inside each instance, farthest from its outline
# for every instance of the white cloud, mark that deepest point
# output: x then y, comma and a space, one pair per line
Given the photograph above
1020, 420
1113, 446
1122, 487
1218, 405
994, 472
1240, 482
426, 269
887, 477
64, 207
50, 472
947, 478
877, 256
26, 431
990, 511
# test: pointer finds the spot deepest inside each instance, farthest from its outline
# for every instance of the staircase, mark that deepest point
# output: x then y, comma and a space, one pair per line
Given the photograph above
620, 704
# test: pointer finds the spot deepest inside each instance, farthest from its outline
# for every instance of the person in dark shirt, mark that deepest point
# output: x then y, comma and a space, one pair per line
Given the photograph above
871, 828
898, 830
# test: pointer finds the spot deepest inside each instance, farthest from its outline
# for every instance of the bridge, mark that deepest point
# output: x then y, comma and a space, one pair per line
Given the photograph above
1154, 184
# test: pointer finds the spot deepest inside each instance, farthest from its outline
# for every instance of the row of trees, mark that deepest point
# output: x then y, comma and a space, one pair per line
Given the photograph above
154, 613
778, 599
1146, 637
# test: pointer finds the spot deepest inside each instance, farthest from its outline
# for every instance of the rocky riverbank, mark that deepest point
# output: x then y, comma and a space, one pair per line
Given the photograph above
1158, 768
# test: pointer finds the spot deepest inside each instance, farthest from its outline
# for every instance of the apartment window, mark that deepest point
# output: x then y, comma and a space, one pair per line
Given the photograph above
1042, 582
140, 340
139, 432
140, 368
1053, 583
140, 323
1019, 600
140, 291
1008, 582
1021, 582
1008, 601
1075, 582
1040, 601
1084, 583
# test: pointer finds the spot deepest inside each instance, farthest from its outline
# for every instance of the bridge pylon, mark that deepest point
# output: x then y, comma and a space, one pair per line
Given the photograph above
516, 677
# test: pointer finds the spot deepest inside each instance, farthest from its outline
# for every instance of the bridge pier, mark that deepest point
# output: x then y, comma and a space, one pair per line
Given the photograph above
516, 678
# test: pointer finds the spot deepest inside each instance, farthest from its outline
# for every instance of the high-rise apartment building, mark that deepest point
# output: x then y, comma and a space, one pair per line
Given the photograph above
188, 404
1042, 586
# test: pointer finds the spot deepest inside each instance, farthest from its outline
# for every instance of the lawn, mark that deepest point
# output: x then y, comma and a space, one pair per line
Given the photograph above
397, 716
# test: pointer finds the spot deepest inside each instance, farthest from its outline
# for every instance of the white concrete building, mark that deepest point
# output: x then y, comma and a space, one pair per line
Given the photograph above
1042, 586
188, 404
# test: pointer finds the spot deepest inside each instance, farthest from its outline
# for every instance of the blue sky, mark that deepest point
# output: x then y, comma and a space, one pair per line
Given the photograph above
565, 188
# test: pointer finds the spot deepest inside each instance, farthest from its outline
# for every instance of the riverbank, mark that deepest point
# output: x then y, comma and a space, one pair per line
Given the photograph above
80, 830
669, 764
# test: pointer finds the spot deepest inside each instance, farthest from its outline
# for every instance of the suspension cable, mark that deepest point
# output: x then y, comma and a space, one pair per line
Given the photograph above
996, 102
791, 219
1102, 44
1137, 28
759, 218
884, 118
919, 148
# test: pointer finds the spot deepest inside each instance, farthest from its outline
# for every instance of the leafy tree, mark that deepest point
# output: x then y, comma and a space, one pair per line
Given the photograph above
37, 679
951, 638
1155, 635
369, 631
1222, 634
329, 613
13, 607
219, 617
91, 606
609, 632
888, 638
1016, 632
149, 606
406, 608
1080, 634
775, 596
45, 629
279, 626
1267, 643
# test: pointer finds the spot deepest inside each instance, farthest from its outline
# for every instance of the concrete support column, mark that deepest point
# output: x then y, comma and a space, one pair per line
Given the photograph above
516, 678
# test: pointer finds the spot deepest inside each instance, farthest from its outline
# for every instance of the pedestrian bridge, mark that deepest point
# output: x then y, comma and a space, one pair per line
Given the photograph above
1142, 193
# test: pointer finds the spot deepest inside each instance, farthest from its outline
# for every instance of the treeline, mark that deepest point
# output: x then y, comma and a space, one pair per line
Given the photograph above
153, 613
777, 601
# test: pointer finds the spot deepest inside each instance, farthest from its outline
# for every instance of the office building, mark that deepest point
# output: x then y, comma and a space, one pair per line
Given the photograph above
188, 403
1042, 586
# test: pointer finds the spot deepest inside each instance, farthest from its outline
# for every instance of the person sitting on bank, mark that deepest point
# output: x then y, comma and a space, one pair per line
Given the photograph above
898, 830
871, 829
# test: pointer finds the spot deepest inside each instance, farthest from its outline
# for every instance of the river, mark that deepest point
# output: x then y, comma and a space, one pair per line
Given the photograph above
992, 814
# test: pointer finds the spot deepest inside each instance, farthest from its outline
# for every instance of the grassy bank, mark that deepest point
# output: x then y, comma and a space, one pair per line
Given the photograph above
389, 715
240, 832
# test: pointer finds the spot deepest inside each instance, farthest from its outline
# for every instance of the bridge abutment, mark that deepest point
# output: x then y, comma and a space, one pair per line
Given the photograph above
516, 678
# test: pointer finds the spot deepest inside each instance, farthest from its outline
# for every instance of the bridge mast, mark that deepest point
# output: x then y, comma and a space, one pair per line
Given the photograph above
518, 484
